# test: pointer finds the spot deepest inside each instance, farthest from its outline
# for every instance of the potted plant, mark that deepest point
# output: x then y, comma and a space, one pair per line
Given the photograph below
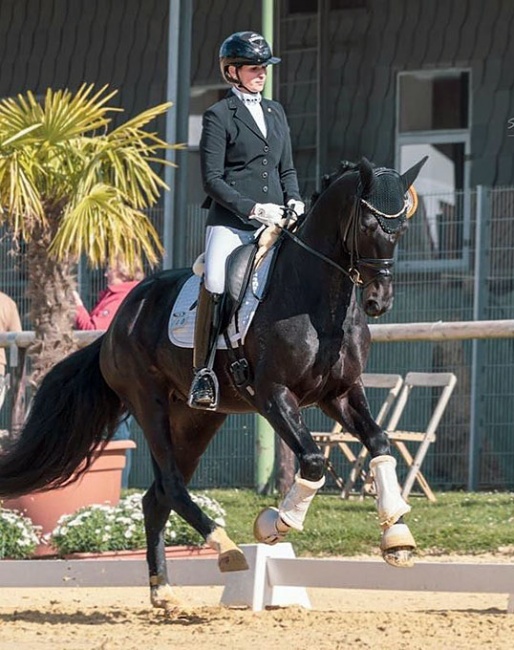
101, 484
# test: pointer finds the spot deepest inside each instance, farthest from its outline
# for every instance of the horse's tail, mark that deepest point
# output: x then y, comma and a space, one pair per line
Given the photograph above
73, 413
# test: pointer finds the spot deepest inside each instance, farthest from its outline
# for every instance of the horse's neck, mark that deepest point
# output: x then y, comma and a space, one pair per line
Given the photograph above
322, 232
304, 273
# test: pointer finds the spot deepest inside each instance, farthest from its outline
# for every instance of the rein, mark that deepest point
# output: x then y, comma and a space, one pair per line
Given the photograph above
316, 253
382, 265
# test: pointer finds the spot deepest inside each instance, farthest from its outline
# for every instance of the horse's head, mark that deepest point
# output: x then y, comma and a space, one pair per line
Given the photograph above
374, 228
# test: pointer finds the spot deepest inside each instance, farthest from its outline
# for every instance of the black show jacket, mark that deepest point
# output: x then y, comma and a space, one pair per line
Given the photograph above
242, 167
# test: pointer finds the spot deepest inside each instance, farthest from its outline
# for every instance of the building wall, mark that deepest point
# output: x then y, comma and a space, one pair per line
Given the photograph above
358, 59
339, 90
63, 44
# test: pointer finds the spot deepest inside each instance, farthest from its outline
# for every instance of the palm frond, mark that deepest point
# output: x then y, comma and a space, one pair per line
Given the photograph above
20, 135
67, 115
103, 221
58, 154
136, 123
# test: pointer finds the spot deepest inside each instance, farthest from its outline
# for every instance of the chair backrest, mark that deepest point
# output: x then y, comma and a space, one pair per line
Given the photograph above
378, 380
444, 380
383, 380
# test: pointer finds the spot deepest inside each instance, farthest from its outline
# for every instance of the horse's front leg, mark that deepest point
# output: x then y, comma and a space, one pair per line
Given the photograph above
280, 408
352, 412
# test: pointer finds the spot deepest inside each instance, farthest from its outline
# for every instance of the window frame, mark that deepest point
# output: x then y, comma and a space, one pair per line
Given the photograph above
443, 136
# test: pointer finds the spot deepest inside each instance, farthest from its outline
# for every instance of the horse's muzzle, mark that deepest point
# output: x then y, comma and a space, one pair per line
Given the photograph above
377, 298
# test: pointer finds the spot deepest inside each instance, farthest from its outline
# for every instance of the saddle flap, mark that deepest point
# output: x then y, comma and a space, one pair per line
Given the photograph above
238, 268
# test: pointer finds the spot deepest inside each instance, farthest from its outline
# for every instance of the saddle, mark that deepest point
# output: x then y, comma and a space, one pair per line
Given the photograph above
240, 267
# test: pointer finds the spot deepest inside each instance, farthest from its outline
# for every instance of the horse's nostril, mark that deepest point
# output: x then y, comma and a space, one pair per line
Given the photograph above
372, 308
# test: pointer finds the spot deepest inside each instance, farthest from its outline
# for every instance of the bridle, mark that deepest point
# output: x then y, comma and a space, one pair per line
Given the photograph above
382, 265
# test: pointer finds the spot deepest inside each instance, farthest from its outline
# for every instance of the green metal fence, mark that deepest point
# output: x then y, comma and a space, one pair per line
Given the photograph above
455, 264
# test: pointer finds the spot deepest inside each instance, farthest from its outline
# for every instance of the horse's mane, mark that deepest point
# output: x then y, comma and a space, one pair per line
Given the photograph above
364, 166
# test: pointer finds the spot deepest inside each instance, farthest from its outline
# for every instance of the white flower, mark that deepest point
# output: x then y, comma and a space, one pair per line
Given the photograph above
122, 526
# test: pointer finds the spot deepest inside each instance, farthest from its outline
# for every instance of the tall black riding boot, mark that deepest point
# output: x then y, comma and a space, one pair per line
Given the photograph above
204, 389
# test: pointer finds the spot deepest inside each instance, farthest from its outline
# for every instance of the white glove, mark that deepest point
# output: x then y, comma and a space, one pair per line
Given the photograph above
270, 214
297, 206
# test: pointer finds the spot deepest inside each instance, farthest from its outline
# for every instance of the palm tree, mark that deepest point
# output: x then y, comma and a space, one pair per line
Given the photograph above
70, 186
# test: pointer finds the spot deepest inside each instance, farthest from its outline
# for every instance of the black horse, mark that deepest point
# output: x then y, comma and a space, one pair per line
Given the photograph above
308, 344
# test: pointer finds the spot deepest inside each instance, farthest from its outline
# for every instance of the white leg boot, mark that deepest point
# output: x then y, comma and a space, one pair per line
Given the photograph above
293, 508
390, 503
272, 524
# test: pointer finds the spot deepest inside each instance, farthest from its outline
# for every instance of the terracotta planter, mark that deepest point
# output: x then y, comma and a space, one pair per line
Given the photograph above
172, 552
100, 484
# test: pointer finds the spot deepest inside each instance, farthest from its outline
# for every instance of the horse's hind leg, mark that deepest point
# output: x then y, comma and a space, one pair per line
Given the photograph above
397, 543
177, 442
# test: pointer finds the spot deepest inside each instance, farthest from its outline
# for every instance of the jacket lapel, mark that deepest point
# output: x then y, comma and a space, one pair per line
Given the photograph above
270, 117
243, 114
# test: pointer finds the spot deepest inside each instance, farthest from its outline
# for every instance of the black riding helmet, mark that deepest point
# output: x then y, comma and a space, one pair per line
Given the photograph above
244, 48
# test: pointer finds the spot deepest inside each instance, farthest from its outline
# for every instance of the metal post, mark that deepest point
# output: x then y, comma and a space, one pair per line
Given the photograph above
179, 65
481, 270
321, 91
264, 434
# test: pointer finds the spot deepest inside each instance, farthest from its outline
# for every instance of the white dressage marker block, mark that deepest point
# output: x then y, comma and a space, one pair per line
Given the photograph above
253, 588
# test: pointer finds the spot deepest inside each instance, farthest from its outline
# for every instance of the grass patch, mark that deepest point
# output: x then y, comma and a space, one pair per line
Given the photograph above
458, 523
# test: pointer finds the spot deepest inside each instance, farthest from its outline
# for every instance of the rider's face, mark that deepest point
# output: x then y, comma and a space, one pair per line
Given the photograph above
253, 77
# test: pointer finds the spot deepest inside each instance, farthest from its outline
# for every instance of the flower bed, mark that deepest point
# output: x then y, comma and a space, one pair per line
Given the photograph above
101, 528
18, 535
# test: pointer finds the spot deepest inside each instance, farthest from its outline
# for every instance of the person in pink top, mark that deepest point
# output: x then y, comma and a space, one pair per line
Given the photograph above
119, 283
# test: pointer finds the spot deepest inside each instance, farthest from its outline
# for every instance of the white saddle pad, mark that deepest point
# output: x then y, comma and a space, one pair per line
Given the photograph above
182, 319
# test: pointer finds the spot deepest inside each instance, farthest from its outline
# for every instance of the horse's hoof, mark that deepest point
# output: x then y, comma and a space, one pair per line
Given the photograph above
397, 546
268, 528
162, 597
401, 558
232, 560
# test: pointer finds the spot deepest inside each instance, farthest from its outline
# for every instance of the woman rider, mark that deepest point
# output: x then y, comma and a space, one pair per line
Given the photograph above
248, 175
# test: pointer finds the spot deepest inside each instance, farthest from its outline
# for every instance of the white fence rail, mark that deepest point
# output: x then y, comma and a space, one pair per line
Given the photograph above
437, 331
275, 577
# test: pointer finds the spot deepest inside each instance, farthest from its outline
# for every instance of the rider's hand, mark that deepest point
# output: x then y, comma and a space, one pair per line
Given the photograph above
269, 214
297, 206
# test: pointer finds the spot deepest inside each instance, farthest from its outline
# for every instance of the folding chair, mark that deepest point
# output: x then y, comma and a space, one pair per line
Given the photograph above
444, 380
337, 438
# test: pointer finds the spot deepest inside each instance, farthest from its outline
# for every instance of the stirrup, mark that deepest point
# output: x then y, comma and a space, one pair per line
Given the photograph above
204, 391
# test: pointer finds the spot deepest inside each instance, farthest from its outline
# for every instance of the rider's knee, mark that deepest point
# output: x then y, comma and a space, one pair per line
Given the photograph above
214, 280
312, 466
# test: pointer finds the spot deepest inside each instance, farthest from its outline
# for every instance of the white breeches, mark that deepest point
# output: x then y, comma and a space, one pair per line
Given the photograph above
220, 241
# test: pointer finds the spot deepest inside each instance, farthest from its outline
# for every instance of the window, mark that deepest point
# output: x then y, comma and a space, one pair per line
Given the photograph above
302, 6
433, 120
200, 99
433, 102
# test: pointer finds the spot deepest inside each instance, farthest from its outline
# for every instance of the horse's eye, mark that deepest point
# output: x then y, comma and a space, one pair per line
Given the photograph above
368, 225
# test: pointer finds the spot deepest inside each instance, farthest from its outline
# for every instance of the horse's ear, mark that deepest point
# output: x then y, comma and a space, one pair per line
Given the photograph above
367, 176
411, 174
